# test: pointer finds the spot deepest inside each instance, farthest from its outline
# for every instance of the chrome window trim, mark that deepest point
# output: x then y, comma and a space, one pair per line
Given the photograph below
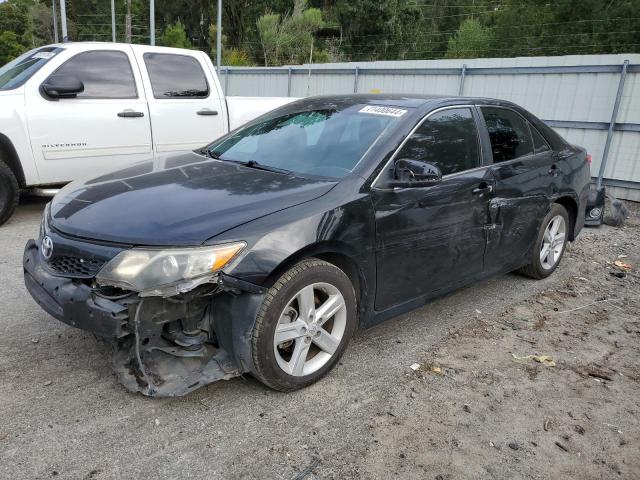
419, 124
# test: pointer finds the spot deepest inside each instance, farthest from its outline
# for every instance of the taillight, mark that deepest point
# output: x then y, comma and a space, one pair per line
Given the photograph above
588, 158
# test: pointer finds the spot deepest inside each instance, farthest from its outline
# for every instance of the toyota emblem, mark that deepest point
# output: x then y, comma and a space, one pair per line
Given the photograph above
47, 247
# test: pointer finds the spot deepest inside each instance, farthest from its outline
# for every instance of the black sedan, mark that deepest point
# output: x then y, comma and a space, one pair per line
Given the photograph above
265, 251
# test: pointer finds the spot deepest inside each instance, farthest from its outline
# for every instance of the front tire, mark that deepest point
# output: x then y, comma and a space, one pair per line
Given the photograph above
303, 326
9, 192
550, 245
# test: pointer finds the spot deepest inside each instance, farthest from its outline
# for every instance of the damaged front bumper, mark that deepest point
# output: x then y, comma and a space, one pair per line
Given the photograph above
163, 347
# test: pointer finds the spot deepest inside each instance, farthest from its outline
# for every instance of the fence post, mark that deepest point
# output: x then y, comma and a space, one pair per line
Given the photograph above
612, 124
463, 73
226, 81
355, 80
289, 82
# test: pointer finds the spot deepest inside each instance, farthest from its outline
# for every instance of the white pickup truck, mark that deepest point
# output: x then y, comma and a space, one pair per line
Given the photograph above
75, 109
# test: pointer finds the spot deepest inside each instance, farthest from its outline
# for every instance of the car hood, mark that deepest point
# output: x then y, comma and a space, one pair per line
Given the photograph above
185, 200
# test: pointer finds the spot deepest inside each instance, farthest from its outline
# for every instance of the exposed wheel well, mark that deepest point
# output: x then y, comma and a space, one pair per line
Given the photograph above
572, 209
340, 260
9, 155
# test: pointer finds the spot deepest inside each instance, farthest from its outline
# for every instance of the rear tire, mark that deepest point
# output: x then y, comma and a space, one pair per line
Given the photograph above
550, 245
9, 192
291, 349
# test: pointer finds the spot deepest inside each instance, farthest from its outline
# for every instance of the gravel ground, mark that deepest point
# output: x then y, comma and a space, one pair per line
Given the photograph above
469, 410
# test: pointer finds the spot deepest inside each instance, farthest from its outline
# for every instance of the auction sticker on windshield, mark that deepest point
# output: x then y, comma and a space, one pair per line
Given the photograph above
387, 111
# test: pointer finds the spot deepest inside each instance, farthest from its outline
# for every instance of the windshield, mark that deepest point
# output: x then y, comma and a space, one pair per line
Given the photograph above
326, 142
18, 71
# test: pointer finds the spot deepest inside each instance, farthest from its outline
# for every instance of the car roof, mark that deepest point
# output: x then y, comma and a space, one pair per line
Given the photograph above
403, 100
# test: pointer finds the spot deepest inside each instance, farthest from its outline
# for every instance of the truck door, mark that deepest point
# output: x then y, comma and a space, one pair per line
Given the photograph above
185, 102
105, 127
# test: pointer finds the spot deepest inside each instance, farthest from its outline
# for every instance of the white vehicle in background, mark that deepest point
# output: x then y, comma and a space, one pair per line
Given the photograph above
76, 109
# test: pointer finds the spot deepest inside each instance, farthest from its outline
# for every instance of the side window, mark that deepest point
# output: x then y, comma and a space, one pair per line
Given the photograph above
447, 139
104, 73
539, 143
508, 132
176, 76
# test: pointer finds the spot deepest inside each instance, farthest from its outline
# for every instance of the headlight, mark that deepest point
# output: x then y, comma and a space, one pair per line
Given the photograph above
153, 270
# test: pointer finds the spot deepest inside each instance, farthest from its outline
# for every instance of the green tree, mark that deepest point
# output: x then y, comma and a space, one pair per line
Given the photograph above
15, 30
289, 38
472, 40
234, 57
175, 36
10, 47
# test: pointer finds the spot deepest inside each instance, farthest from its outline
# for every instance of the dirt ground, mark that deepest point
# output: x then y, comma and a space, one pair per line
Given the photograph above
474, 405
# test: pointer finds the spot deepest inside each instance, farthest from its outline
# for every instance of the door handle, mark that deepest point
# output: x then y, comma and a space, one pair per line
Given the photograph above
130, 114
206, 111
554, 170
482, 189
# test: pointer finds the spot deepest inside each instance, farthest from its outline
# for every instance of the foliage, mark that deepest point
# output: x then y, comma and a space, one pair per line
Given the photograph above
472, 40
10, 47
175, 36
289, 39
233, 57
15, 31
276, 32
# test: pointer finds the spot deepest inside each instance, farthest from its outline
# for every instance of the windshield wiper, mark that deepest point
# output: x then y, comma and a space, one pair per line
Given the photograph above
210, 153
268, 168
248, 163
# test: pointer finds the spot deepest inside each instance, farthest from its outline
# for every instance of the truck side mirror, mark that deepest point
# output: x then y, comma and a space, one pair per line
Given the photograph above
412, 173
62, 86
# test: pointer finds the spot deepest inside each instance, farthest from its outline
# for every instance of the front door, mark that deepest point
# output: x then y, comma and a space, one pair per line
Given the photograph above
185, 104
430, 239
103, 128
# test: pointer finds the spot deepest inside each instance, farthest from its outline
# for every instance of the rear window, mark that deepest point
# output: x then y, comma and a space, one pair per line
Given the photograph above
18, 71
176, 76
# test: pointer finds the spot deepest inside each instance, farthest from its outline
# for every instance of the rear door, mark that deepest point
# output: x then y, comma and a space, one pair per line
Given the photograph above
103, 128
185, 103
526, 171
432, 239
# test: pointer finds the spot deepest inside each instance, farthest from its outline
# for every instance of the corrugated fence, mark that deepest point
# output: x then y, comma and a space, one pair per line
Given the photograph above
591, 100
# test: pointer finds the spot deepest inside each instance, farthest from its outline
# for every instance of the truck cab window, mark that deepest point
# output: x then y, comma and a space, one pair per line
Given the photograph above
104, 73
447, 139
176, 76
508, 132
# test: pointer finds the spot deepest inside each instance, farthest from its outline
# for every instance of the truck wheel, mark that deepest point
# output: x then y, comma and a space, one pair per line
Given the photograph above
550, 245
303, 326
9, 192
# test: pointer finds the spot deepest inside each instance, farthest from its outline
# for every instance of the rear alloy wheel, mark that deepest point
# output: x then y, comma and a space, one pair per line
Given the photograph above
304, 325
550, 244
553, 241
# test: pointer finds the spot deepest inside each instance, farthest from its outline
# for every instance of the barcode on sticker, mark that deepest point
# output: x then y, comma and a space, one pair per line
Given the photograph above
378, 110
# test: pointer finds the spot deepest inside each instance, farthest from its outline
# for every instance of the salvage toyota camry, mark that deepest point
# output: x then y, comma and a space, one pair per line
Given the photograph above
265, 251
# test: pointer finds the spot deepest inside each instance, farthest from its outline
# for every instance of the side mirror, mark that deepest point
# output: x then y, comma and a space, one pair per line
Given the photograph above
62, 86
412, 173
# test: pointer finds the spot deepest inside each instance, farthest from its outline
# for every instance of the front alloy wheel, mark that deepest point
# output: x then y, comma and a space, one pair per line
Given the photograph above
310, 329
303, 326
